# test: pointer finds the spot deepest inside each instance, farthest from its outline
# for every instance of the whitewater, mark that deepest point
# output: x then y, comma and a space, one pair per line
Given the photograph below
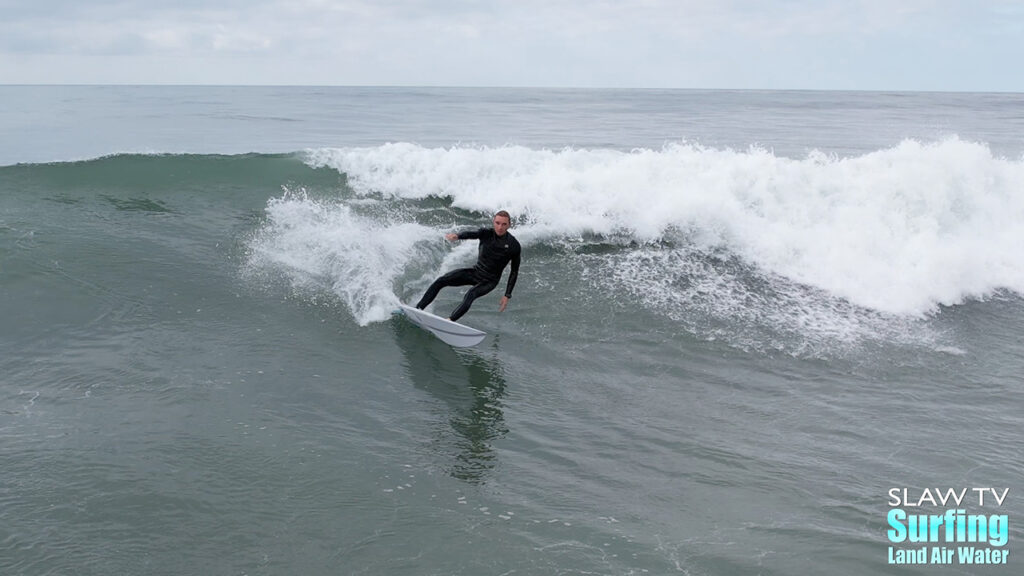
902, 231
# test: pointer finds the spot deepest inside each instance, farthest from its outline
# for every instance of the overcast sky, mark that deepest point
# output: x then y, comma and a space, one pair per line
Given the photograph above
962, 45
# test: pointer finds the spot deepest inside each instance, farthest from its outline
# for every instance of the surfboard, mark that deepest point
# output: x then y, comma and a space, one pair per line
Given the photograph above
449, 332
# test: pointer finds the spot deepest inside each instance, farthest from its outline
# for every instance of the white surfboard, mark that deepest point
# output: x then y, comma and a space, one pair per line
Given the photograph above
449, 332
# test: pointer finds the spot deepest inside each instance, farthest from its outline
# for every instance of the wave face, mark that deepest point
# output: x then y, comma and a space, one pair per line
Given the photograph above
844, 248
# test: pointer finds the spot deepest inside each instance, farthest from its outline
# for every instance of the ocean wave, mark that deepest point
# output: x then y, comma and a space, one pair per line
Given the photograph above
901, 231
165, 172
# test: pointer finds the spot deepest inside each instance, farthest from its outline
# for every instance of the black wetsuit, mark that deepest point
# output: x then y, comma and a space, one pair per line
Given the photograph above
495, 253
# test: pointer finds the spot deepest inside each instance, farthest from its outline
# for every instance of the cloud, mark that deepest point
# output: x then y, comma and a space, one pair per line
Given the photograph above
653, 43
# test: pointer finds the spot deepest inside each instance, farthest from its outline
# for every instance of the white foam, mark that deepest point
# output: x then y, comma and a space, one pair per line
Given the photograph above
717, 299
321, 244
900, 231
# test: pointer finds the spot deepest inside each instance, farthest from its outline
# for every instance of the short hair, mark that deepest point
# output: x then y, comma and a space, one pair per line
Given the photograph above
505, 214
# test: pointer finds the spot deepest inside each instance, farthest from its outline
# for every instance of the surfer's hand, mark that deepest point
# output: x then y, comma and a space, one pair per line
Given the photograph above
504, 302
451, 237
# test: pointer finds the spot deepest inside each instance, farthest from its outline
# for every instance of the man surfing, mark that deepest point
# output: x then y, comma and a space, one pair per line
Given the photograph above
497, 249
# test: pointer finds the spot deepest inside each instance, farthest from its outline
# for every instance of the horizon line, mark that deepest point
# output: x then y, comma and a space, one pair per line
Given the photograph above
501, 87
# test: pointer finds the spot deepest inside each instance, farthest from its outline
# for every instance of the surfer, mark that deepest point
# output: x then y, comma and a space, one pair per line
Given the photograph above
497, 248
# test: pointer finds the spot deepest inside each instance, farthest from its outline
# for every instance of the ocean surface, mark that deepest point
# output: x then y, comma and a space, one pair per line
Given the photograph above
742, 319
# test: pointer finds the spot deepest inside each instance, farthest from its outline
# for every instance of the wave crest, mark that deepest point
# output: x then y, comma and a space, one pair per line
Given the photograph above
901, 230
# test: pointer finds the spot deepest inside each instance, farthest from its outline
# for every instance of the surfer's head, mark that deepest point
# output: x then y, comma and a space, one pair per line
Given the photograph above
501, 222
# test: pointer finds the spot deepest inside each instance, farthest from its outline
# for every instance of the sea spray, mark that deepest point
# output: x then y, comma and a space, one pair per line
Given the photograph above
322, 244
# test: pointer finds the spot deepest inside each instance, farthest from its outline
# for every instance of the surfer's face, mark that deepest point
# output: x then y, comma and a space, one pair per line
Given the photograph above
500, 225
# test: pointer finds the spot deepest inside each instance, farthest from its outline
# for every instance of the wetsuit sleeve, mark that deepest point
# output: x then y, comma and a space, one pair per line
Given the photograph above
471, 234
513, 274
